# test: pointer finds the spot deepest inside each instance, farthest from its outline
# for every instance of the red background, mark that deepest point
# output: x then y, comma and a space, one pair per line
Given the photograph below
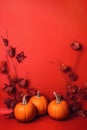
44, 29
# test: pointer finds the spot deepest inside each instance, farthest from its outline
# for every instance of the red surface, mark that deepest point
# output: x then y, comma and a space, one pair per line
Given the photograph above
44, 29
45, 123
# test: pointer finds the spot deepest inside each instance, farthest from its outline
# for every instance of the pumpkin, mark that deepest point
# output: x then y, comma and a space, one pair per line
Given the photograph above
58, 109
40, 102
24, 111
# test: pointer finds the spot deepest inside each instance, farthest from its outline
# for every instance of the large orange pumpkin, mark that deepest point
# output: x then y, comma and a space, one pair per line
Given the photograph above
58, 109
24, 111
40, 102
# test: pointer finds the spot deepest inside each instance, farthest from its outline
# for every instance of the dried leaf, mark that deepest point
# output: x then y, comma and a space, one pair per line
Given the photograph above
82, 113
65, 68
73, 76
10, 103
10, 115
11, 51
23, 83
76, 46
85, 112
13, 79
31, 91
5, 41
19, 95
13, 104
10, 89
75, 106
20, 57
83, 92
72, 88
4, 67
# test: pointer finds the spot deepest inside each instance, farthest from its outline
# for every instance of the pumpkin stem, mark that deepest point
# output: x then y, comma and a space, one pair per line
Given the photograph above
38, 93
57, 98
24, 101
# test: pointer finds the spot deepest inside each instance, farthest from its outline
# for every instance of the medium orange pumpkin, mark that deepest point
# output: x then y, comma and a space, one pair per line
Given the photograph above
40, 102
24, 111
58, 109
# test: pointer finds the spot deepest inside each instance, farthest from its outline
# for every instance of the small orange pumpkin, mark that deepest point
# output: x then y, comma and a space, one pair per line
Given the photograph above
24, 111
58, 109
40, 102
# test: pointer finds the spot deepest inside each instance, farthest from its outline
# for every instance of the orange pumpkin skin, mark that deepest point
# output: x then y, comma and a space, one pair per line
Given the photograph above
24, 112
58, 110
41, 104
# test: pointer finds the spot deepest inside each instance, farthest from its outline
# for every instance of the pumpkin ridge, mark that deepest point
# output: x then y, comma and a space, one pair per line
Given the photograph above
25, 112
44, 106
66, 111
58, 108
55, 113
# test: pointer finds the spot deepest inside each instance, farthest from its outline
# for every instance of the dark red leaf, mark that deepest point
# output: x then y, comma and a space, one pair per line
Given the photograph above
5, 41
83, 92
19, 95
10, 115
13, 78
65, 68
20, 57
72, 88
73, 76
76, 46
4, 67
85, 112
11, 51
10, 103
82, 113
10, 89
23, 83
7, 102
5, 86
13, 104
31, 91
75, 106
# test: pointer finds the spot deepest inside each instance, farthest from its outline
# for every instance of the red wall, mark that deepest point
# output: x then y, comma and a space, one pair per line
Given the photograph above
44, 29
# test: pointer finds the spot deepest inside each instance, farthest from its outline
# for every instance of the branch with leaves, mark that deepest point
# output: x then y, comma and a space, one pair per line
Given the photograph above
74, 94
16, 87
